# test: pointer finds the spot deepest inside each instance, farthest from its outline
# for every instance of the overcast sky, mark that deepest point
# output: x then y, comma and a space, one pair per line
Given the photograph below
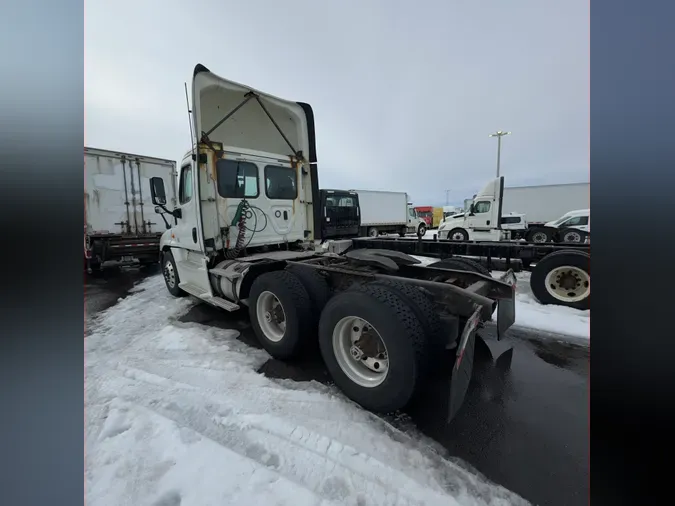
404, 93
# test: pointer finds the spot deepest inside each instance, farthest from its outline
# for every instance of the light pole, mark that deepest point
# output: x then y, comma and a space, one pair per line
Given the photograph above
499, 134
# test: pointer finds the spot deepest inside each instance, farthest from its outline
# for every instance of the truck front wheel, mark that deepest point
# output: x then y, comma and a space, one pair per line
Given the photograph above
374, 347
170, 274
281, 313
421, 230
458, 234
373, 232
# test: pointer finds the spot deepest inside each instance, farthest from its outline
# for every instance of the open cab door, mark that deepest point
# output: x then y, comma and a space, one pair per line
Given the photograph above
255, 147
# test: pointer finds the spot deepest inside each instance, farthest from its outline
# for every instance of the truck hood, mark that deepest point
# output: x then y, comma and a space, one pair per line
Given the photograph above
239, 117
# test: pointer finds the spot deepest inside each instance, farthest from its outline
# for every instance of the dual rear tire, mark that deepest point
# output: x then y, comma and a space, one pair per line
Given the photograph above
374, 338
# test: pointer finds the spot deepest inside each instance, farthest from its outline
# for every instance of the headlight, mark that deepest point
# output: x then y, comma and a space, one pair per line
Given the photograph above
441, 227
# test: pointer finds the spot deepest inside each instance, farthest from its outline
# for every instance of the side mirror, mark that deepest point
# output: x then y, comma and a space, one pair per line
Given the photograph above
157, 191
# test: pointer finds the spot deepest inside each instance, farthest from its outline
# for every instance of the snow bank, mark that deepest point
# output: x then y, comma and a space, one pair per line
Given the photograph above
177, 415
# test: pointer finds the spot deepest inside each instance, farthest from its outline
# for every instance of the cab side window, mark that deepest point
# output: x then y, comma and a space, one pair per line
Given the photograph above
185, 185
481, 207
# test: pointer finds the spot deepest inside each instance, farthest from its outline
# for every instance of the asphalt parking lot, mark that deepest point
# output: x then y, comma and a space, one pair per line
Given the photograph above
527, 431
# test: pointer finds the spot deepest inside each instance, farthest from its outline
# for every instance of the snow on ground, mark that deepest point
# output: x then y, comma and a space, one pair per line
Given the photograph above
177, 415
563, 321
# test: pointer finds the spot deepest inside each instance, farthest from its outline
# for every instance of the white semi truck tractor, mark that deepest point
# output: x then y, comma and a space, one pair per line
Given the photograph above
245, 232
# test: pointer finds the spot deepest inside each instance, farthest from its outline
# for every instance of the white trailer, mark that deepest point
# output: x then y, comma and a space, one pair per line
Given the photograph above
121, 225
544, 203
388, 212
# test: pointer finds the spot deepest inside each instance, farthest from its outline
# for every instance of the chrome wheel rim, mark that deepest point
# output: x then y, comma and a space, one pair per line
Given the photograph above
568, 283
539, 237
360, 352
271, 316
457, 236
169, 274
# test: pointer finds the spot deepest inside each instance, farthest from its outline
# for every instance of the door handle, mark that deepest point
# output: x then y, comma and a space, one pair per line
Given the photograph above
194, 235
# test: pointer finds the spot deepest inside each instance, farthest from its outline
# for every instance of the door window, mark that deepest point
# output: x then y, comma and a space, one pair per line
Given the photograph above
576, 221
280, 183
481, 207
237, 179
185, 185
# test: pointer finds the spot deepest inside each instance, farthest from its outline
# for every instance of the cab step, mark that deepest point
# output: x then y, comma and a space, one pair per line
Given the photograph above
194, 290
207, 297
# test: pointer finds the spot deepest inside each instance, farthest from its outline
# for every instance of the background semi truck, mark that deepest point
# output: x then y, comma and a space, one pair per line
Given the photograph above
384, 212
121, 226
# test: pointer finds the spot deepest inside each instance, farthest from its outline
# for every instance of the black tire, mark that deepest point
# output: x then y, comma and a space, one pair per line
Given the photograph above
297, 309
316, 286
458, 231
403, 336
539, 235
423, 308
464, 264
171, 282
373, 232
421, 230
572, 235
576, 259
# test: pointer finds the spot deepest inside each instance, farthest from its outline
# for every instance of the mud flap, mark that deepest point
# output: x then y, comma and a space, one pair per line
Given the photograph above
462, 370
506, 308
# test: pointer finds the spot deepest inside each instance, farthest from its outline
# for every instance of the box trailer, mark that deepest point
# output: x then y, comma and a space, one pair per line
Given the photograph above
544, 203
121, 226
388, 212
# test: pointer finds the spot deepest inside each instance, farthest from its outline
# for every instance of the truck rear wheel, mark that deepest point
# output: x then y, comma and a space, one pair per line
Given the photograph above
281, 313
539, 235
374, 347
170, 273
458, 234
316, 286
563, 278
373, 232
572, 235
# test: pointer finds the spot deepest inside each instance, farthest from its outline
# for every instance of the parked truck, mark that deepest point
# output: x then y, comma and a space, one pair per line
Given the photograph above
426, 213
384, 212
245, 231
121, 227
502, 223
340, 214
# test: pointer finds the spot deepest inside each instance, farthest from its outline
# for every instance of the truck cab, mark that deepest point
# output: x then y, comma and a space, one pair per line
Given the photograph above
481, 220
341, 216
